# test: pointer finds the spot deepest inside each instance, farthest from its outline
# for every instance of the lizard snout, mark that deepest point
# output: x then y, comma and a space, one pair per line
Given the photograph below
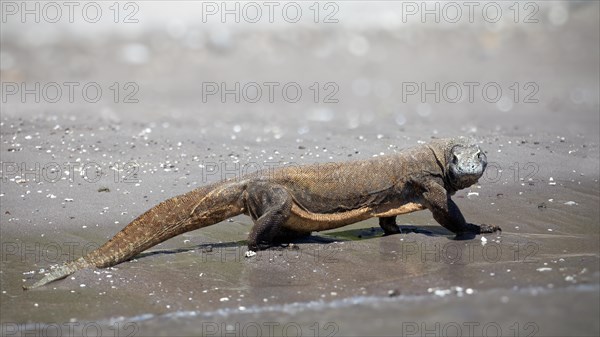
482, 160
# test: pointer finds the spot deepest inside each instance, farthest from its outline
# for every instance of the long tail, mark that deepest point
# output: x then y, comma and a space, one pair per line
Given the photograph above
199, 208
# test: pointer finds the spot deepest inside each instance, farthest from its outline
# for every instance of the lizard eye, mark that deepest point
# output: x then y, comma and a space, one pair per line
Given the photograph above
454, 158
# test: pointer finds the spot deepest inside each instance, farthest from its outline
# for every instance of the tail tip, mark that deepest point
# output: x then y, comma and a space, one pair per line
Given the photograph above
60, 273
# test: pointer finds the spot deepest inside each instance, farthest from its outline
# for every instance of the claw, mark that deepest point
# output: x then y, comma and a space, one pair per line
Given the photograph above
489, 229
259, 246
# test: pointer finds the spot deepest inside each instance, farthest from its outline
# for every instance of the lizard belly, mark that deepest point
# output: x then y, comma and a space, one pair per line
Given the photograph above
397, 210
306, 221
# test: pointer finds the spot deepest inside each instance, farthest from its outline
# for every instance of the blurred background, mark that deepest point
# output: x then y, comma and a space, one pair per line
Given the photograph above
365, 58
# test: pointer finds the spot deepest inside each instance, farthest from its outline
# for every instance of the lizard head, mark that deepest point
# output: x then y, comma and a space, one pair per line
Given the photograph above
466, 164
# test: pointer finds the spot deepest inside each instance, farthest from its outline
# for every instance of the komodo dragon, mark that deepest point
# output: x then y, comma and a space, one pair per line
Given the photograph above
295, 201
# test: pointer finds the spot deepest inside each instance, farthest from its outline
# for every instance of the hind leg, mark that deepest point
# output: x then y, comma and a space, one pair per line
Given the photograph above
270, 206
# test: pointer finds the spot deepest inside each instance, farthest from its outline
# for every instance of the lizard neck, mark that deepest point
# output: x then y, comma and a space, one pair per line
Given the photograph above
441, 162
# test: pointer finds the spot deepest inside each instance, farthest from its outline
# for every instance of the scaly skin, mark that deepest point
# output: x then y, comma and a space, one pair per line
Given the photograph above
296, 201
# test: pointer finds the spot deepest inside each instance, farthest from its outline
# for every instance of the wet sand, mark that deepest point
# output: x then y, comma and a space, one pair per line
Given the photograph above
540, 269
539, 277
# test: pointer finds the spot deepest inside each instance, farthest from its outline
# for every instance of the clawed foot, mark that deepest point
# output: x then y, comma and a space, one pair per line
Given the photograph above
259, 246
393, 231
483, 229
265, 246
477, 229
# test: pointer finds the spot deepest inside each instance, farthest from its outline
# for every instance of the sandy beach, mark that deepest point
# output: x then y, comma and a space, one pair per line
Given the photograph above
75, 172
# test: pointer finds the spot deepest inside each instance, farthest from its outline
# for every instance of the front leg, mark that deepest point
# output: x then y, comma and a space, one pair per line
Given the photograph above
446, 212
